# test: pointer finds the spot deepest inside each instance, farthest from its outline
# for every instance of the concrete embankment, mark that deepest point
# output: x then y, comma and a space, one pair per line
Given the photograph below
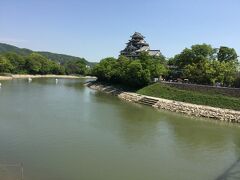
25, 76
170, 105
5, 78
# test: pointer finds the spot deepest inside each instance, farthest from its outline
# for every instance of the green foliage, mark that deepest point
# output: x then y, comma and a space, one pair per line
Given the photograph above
136, 72
75, 67
63, 59
32, 64
226, 54
105, 69
136, 75
196, 54
237, 82
209, 99
17, 61
21, 61
5, 65
35, 63
203, 64
4, 48
56, 68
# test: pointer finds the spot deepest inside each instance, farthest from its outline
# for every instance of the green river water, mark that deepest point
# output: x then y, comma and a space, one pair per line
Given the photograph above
66, 131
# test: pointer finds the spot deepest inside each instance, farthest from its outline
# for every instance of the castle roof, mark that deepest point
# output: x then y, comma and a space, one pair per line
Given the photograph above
137, 35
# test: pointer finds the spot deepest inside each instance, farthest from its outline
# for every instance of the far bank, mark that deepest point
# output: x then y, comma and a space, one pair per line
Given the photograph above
26, 76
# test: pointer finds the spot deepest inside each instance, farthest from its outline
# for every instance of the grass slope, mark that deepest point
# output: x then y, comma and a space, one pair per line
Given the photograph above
209, 99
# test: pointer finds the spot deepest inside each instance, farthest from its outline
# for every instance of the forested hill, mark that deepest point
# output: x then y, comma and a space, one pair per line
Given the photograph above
10, 48
62, 58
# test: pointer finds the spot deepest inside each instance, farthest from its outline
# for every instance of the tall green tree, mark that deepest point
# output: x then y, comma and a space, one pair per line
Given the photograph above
103, 70
5, 65
227, 54
194, 55
75, 67
17, 61
33, 63
136, 75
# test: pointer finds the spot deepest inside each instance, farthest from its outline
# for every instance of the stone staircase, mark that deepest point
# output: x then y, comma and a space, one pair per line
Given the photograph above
111, 90
148, 101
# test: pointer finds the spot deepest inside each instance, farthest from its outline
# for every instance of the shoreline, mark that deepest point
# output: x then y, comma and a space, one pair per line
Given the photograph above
26, 76
194, 110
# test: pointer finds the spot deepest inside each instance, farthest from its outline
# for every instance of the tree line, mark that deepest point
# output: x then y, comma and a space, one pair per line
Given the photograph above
131, 72
36, 63
200, 64
203, 64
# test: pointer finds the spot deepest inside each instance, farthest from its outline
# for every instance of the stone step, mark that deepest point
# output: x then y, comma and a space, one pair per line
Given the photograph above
116, 92
148, 101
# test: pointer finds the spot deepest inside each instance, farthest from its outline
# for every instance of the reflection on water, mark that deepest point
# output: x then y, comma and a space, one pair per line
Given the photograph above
67, 131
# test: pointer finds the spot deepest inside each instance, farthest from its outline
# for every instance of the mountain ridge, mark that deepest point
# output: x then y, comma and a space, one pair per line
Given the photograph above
57, 57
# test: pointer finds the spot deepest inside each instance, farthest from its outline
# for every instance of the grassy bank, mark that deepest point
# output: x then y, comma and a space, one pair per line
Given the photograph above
209, 99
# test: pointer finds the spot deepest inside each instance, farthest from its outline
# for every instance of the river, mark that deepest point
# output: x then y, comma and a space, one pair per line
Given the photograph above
66, 131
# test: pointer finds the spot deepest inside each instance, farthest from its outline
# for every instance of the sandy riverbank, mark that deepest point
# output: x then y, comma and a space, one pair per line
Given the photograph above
221, 114
25, 76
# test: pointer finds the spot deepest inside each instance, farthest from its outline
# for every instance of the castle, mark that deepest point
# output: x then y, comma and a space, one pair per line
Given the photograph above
136, 45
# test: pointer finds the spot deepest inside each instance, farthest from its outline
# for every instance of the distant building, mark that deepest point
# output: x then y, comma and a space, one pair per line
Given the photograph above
136, 45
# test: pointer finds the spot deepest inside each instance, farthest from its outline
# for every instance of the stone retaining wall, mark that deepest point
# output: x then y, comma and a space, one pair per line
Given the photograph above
174, 106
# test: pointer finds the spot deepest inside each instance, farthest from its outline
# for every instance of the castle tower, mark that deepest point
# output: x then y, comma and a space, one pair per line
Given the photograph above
136, 45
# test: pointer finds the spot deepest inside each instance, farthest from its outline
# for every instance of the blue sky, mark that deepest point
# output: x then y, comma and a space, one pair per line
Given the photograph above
95, 29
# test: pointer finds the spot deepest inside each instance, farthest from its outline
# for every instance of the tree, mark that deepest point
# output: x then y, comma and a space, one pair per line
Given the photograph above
5, 65
33, 64
230, 71
17, 61
157, 69
157, 66
56, 68
203, 64
200, 73
104, 69
75, 67
135, 72
186, 57
227, 54
196, 54
237, 81
136, 75
203, 50
121, 67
